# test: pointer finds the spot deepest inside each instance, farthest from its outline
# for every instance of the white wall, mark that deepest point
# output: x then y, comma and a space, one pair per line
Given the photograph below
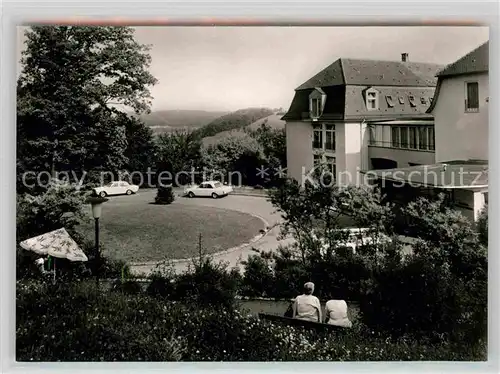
354, 152
461, 135
298, 148
351, 152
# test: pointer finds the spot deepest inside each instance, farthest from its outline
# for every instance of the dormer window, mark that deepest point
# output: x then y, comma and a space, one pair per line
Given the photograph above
317, 100
315, 108
371, 96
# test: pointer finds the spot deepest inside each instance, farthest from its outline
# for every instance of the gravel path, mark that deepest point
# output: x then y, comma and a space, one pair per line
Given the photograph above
254, 205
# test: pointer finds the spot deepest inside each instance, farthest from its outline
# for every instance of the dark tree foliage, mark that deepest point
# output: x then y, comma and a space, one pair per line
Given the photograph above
75, 82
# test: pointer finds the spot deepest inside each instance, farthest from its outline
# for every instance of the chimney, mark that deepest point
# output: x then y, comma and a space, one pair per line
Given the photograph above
404, 57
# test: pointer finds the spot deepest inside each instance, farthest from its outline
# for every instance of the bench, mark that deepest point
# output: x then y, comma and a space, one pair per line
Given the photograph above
298, 322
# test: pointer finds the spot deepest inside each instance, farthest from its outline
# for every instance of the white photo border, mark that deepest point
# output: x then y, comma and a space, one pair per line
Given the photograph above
275, 12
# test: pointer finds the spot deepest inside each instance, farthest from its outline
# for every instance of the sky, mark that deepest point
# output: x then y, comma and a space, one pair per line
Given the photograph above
229, 68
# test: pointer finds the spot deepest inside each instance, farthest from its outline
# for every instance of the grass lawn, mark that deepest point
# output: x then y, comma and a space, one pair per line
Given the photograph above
142, 232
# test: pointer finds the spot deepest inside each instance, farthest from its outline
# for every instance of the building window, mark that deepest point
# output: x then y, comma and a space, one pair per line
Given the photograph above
315, 108
317, 137
324, 137
472, 99
430, 137
396, 141
331, 166
422, 138
404, 137
390, 101
413, 137
330, 138
371, 99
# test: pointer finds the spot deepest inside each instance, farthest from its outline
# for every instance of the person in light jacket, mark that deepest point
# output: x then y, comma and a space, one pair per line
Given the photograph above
306, 306
336, 313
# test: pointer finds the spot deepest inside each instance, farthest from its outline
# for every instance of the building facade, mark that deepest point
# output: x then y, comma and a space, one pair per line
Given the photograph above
362, 114
460, 169
460, 109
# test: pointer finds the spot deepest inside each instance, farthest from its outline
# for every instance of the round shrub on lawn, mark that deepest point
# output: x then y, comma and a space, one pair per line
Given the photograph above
165, 195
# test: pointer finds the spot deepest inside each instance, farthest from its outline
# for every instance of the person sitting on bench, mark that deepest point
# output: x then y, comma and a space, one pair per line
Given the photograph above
307, 307
336, 313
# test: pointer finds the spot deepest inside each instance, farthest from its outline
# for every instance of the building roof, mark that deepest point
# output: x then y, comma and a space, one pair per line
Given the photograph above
453, 174
348, 103
347, 71
355, 106
476, 61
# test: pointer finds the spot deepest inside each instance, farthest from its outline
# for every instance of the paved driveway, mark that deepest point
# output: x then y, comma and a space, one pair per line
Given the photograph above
258, 206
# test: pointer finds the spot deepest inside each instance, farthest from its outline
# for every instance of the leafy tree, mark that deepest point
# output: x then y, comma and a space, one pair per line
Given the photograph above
235, 153
440, 288
482, 226
62, 205
75, 82
273, 142
438, 223
316, 214
141, 149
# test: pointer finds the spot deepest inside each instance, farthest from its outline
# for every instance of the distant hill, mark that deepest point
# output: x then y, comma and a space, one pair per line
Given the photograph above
162, 121
233, 121
273, 120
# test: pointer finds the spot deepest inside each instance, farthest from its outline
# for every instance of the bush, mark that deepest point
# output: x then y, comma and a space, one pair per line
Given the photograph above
119, 327
165, 195
129, 287
59, 205
208, 284
107, 327
258, 277
426, 294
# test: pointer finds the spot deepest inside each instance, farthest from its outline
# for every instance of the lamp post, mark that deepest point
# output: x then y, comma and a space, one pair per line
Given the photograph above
96, 203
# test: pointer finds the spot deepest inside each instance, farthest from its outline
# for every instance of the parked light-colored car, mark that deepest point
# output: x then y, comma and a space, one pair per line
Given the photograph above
355, 238
116, 188
212, 189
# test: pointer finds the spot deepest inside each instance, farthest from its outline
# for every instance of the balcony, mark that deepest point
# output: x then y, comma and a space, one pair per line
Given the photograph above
395, 145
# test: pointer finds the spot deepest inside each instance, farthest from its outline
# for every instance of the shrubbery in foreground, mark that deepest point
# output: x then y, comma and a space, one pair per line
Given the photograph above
75, 323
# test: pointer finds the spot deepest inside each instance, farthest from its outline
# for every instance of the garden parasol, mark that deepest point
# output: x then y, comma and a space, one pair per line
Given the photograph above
57, 243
